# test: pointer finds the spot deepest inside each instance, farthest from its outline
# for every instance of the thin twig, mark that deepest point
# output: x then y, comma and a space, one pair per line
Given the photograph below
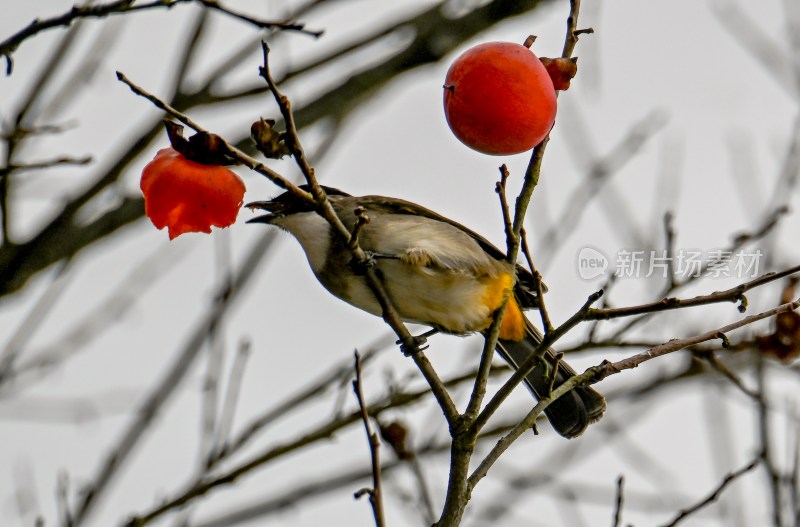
600, 372
10, 45
547, 324
314, 389
361, 220
491, 336
260, 23
230, 150
526, 367
526, 250
50, 163
376, 492
765, 438
767, 226
228, 407
409, 344
572, 29
730, 478
734, 294
794, 477
678, 344
170, 381
669, 243
500, 188
322, 432
618, 503
428, 513
554, 368
62, 499
715, 363
26, 329
292, 137
189, 53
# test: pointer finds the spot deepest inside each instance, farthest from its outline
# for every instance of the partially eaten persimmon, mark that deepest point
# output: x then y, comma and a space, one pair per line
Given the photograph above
185, 196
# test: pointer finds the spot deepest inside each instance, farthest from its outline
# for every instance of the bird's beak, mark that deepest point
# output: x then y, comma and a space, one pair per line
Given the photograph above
274, 207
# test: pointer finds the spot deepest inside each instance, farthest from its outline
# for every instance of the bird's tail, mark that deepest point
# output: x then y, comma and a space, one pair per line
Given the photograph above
571, 413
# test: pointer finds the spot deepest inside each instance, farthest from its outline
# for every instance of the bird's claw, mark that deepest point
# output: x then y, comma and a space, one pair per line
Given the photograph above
414, 346
360, 266
416, 343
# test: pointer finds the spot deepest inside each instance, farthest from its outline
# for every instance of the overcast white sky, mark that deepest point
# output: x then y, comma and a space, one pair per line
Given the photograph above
714, 163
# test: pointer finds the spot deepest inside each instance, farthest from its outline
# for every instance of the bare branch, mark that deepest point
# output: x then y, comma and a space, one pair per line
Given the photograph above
10, 45
376, 492
436, 33
230, 150
409, 344
39, 165
321, 432
600, 372
764, 49
678, 344
768, 225
766, 455
572, 29
730, 478
260, 23
724, 370
314, 389
618, 503
460, 483
600, 173
169, 382
27, 328
231, 398
734, 294
525, 368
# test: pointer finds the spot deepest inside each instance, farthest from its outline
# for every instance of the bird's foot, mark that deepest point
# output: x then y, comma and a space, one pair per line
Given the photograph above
417, 343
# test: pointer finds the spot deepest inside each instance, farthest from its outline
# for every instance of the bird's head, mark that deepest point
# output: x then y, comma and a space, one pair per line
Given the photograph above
287, 204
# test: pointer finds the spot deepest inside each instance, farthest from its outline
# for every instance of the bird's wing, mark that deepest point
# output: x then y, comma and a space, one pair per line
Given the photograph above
421, 241
526, 281
403, 207
421, 237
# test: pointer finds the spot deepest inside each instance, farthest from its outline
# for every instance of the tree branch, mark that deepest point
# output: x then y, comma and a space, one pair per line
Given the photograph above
734, 294
151, 406
10, 45
730, 478
376, 492
597, 373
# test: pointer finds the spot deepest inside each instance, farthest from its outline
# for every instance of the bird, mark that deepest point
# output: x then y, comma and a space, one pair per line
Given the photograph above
436, 272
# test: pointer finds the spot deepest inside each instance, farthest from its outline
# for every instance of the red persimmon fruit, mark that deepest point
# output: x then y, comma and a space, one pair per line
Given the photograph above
499, 99
189, 197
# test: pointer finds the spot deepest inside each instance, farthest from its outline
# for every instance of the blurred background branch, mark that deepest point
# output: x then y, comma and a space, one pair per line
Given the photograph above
745, 387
